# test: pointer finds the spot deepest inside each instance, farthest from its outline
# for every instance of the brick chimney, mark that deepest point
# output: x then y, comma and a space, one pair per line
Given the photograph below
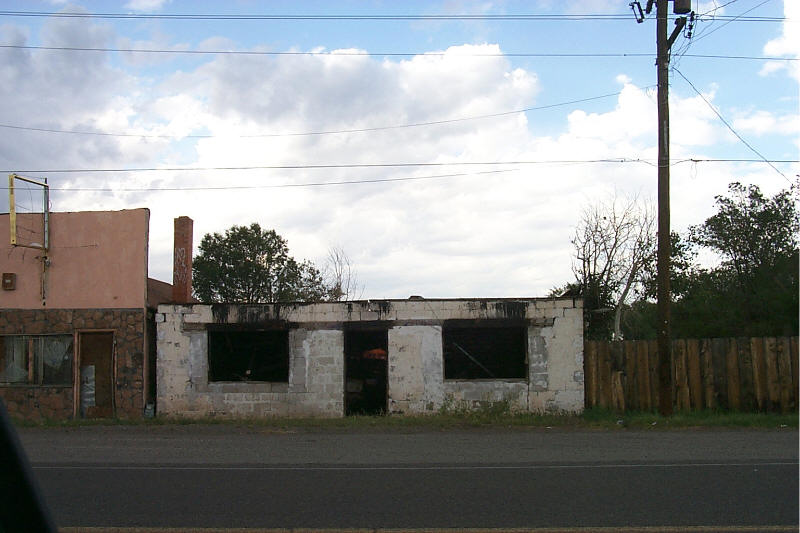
182, 261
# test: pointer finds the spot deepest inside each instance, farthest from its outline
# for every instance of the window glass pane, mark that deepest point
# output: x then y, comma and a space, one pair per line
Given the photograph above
56, 356
13, 360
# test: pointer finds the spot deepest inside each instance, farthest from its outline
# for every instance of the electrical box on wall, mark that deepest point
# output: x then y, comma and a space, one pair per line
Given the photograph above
9, 281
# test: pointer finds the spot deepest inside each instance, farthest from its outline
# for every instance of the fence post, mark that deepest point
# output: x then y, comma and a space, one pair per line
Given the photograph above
707, 361
681, 380
643, 364
746, 389
759, 374
631, 376
785, 374
732, 367
590, 370
652, 359
773, 383
718, 359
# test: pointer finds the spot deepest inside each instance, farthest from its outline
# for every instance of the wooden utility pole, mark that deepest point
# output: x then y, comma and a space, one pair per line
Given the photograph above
663, 269
663, 45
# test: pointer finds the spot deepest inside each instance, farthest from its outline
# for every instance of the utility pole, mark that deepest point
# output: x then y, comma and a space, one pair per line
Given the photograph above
662, 264
663, 45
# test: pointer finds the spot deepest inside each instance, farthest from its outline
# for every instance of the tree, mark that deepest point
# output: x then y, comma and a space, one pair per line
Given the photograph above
340, 276
754, 290
682, 264
613, 242
749, 231
248, 264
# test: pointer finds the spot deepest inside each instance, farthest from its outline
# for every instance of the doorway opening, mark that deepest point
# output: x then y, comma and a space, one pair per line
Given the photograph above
96, 375
366, 371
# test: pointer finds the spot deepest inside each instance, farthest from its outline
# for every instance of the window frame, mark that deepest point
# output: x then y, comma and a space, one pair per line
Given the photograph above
520, 326
34, 360
285, 347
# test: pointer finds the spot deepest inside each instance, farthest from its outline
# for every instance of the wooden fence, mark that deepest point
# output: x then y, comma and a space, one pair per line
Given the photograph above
758, 374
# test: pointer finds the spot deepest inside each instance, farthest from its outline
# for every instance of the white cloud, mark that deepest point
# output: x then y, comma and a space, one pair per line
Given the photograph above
712, 7
149, 6
763, 122
787, 45
587, 6
61, 91
484, 235
159, 42
476, 234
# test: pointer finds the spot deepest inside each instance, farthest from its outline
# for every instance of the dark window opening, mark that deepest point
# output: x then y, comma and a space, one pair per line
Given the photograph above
248, 356
485, 352
366, 371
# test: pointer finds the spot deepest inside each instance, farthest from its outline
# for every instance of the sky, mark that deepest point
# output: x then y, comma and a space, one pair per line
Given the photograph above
447, 147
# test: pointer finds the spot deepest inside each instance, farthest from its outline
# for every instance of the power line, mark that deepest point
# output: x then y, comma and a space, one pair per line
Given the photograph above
610, 160
337, 53
319, 167
354, 17
361, 53
731, 160
344, 16
373, 180
281, 185
313, 133
717, 8
728, 20
752, 149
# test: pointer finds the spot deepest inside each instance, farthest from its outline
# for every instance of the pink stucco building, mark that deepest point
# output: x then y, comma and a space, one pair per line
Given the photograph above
76, 322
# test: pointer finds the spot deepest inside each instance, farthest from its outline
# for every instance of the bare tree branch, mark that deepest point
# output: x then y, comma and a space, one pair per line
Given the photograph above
340, 276
613, 241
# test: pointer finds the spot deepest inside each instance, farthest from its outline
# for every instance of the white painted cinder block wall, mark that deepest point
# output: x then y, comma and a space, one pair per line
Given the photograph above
416, 381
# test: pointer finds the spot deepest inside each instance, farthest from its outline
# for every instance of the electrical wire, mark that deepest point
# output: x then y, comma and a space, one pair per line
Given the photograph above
717, 8
325, 166
361, 53
728, 21
714, 109
337, 53
218, 188
306, 167
353, 17
281, 185
324, 132
610, 160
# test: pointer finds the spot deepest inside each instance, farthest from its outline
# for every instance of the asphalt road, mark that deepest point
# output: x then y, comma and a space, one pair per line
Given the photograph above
218, 476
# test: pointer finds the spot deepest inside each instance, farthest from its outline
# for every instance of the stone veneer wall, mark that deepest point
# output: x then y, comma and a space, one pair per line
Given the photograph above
56, 402
415, 383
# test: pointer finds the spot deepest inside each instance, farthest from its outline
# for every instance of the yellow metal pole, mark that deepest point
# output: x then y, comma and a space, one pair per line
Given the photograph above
12, 213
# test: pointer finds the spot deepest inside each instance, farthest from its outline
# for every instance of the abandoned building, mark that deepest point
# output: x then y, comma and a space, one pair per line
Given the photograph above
85, 333
367, 357
77, 335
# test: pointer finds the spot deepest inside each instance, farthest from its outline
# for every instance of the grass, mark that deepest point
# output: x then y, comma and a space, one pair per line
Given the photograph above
692, 419
491, 416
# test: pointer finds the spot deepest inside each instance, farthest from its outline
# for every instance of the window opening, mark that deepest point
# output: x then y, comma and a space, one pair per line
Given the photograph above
36, 359
485, 352
248, 356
